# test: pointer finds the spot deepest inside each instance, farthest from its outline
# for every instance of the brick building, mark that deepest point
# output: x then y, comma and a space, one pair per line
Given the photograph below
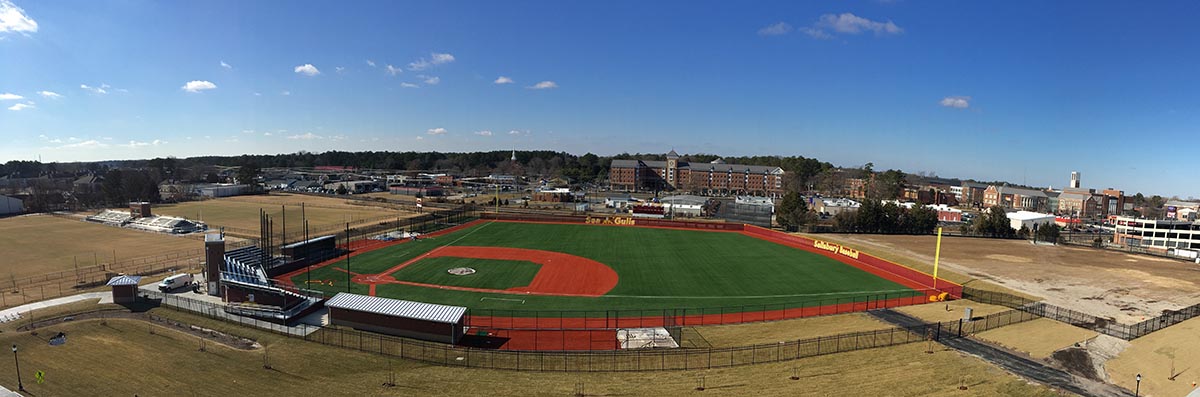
715, 178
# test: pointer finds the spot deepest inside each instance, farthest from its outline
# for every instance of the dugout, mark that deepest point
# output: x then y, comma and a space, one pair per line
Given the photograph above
417, 320
314, 247
124, 288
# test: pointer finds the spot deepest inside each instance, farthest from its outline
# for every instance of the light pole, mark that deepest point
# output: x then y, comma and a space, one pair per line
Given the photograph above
21, 386
1136, 388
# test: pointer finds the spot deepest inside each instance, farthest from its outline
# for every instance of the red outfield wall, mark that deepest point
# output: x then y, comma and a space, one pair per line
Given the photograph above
884, 268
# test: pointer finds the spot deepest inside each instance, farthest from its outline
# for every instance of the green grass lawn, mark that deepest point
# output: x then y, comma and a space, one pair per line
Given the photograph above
658, 269
489, 273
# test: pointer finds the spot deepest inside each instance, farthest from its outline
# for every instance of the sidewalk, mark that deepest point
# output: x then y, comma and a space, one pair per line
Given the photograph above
104, 297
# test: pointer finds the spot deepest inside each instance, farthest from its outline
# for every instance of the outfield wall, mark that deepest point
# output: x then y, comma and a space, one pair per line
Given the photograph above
884, 268
615, 221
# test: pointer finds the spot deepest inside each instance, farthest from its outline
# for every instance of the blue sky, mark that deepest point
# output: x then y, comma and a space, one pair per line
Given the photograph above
1024, 91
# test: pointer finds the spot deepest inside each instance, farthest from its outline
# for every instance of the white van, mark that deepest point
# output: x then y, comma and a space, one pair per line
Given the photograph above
175, 282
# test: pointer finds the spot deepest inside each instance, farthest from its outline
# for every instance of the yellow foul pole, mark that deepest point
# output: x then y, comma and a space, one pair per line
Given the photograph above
937, 254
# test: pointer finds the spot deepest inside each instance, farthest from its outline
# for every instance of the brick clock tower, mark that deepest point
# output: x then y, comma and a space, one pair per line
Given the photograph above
672, 167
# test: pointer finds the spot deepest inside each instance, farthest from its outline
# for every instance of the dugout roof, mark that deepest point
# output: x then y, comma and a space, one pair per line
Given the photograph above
398, 308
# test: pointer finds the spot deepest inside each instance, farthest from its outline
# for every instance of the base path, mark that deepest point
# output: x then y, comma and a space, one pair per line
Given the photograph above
561, 274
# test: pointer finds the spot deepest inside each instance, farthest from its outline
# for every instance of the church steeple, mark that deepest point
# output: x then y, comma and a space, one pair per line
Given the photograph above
514, 156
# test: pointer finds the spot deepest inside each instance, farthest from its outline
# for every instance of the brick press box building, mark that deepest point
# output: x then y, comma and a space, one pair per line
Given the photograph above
714, 179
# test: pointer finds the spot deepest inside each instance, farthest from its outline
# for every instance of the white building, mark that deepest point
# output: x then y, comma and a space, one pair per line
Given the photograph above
1029, 219
1162, 234
221, 190
9, 205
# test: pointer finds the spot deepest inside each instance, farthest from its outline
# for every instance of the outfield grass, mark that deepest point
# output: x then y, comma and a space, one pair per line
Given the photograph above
658, 269
489, 273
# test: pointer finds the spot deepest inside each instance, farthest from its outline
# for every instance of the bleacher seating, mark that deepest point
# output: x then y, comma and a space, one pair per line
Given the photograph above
111, 217
166, 224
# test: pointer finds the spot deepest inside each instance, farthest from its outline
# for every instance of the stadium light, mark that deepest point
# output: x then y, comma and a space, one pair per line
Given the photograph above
21, 386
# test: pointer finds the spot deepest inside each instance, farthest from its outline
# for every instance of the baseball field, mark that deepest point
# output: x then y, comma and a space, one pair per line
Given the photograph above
593, 270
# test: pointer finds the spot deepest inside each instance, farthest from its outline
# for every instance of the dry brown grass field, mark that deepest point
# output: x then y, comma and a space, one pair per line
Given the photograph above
242, 211
1037, 338
1174, 351
40, 244
1126, 287
123, 357
785, 330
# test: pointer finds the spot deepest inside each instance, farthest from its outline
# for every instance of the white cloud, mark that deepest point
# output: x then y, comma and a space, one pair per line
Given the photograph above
957, 102
285, 93
49, 94
268, 133
136, 144
409, 85
483, 133
503, 80
307, 69
776, 29
196, 86
307, 136
435, 59
370, 63
514, 132
257, 94
247, 131
392, 70
848, 23
21, 106
95, 90
14, 19
226, 65
430, 80
420, 138
339, 69
436, 131
8, 96
817, 33
88, 144
544, 85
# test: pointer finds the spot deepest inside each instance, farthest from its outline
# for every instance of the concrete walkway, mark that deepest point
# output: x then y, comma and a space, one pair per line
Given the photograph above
15, 312
1021, 366
4, 392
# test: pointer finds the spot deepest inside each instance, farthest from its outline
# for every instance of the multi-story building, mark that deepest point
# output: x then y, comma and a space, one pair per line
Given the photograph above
1113, 202
714, 178
972, 193
1078, 204
1015, 198
1157, 234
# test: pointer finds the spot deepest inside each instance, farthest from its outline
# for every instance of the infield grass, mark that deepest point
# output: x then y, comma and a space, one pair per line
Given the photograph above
489, 273
719, 272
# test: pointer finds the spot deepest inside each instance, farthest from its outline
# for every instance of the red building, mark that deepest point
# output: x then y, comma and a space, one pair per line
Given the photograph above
715, 178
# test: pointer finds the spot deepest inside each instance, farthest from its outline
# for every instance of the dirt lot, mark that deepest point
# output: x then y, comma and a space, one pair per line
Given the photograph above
1122, 286
40, 244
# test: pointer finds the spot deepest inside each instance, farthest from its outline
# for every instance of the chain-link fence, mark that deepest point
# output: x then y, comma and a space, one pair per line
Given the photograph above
612, 360
1102, 325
